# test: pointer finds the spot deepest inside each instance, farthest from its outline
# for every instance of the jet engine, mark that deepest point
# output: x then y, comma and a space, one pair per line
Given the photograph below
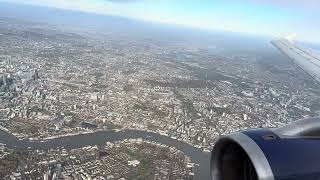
291, 152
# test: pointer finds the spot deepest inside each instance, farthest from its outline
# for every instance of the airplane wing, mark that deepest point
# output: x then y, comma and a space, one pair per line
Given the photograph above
306, 60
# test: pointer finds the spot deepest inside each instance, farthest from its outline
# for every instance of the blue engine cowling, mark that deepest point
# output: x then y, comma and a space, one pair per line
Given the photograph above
291, 152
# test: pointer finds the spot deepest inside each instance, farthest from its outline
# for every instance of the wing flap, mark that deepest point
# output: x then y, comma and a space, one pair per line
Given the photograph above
306, 60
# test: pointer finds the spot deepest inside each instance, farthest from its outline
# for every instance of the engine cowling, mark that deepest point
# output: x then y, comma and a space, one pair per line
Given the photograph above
291, 152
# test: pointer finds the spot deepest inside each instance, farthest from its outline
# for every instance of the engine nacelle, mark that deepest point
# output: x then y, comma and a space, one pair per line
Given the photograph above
291, 152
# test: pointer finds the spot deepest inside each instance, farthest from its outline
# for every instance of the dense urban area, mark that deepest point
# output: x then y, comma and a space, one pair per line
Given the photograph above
128, 159
56, 83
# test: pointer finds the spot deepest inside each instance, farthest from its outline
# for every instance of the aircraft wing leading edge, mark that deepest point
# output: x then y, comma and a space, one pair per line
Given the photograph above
303, 58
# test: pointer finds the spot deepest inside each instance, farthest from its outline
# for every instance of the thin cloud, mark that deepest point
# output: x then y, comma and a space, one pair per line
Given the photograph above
268, 17
297, 4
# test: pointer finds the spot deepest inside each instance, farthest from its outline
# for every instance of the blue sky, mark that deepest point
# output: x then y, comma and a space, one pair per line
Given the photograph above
262, 17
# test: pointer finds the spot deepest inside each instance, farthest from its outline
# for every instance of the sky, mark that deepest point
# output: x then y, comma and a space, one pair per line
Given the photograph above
260, 17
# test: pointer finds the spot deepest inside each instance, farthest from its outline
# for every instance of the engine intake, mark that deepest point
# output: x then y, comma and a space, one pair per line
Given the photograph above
234, 163
291, 152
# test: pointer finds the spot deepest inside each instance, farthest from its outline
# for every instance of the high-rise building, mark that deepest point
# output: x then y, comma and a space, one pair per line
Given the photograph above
4, 80
35, 75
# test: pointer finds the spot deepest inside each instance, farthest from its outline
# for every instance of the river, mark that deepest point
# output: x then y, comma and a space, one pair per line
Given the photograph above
70, 142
